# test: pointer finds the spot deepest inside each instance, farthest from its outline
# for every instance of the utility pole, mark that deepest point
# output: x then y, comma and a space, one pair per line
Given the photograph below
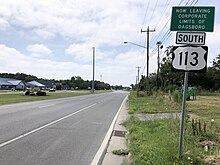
148, 33
138, 67
158, 62
93, 74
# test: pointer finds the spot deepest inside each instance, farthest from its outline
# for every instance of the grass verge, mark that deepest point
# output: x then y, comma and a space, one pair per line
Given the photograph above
156, 142
20, 97
158, 103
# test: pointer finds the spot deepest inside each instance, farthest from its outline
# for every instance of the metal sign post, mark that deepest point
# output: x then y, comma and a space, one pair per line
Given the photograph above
187, 20
182, 116
188, 59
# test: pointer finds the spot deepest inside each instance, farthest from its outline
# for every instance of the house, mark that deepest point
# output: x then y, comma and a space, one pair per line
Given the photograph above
9, 83
43, 85
48, 85
34, 84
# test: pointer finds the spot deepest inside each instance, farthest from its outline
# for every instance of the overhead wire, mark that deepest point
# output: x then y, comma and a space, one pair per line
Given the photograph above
153, 12
145, 13
168, 34
163, 28
193, 1
167, 4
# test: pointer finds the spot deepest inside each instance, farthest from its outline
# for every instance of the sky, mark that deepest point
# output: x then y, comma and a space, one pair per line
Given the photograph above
54, 39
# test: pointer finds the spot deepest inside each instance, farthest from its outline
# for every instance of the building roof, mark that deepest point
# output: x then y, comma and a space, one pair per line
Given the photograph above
46, 83
9, 81
35, 83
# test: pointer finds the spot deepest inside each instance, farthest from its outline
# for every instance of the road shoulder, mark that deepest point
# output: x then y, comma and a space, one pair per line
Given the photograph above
118, 139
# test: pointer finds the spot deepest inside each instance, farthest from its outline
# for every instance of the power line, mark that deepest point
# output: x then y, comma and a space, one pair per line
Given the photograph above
155, 40
167, 4
169, 33
153, 12
145, 14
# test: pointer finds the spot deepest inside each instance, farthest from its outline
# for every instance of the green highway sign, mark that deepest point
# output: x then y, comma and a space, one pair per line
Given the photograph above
192, 18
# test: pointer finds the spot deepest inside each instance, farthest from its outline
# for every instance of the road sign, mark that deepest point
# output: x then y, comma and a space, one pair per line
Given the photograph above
189, 58
192, 18
191, 38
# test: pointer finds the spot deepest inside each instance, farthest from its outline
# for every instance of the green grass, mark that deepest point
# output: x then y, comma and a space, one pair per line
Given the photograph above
158, 103
20, 97
207, 107
156, 142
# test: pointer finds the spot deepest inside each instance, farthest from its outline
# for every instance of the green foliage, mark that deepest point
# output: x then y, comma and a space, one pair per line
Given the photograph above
152, 142
157, 103
169, 80
27, 93
177, 96
40, 93
19, 76
74, 83
156, 142
121, 152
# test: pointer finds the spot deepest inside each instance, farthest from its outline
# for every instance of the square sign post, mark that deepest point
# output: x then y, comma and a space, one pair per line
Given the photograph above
190, 58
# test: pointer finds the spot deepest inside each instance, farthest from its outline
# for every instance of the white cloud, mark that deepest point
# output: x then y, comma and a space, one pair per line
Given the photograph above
13, 61
43, 34
83, 24
84, 52
111, 71
39, 50
213, 38
100, 22
122, 67
3, 24
81, 52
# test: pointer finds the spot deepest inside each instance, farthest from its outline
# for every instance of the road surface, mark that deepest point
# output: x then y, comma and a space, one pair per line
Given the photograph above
66, 131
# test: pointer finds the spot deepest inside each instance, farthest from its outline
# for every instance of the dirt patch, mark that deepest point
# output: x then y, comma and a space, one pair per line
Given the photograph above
144, 116
212, 160
207, 143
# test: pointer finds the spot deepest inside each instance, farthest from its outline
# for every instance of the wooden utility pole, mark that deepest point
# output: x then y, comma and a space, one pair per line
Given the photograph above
148, 33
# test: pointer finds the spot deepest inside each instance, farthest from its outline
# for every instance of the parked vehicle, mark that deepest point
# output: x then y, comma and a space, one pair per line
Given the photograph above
52, 90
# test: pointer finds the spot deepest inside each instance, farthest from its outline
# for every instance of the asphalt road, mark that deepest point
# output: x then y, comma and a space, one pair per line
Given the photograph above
66, 131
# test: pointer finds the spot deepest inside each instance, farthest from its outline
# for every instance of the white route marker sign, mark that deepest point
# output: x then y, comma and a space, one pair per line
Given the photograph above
189, 58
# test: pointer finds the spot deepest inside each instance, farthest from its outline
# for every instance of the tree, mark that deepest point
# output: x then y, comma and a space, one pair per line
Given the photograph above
216, 70
167, 77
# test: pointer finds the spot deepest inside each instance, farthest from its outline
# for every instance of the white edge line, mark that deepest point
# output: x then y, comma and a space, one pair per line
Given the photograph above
97, 159
44, 126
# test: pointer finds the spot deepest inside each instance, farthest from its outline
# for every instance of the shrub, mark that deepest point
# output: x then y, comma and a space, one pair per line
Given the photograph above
177, 96
40, 93
32, 94
121, 152
27, 93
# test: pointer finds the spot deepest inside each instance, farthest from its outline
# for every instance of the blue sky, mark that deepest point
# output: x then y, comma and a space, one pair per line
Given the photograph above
54, 38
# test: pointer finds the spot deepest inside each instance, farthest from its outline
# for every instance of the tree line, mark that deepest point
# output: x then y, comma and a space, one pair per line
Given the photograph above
168, 80
75, 82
